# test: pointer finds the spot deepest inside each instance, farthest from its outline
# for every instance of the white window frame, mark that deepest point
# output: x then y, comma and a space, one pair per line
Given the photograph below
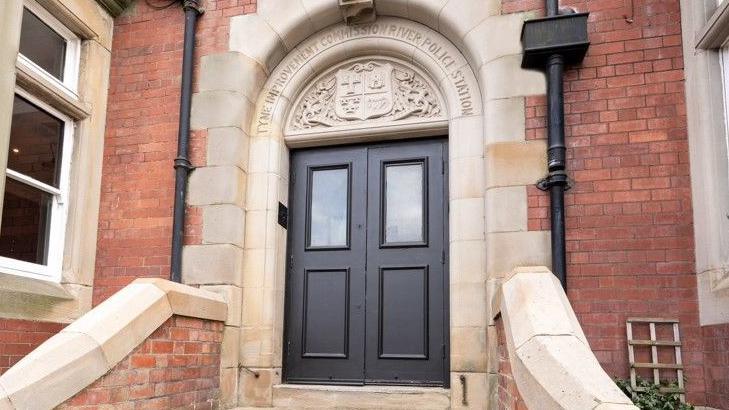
69, 85
707, 86
59, 207
724, 61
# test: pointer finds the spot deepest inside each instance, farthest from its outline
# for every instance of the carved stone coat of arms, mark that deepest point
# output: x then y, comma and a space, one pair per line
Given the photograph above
364, 91
374, 90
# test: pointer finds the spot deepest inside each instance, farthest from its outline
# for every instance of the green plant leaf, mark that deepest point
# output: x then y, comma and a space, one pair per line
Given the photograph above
651, 398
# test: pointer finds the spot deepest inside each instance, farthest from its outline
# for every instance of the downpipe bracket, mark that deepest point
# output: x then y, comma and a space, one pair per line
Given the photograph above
555, 178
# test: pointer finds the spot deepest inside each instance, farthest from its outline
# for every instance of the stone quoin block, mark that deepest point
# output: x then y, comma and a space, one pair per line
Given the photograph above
288, 19
503, 78
463, 213
233, 297
511, 163
223, 224
505, 120
468, 261
506, 209
212, 265
321, 13
220, 108
468, 349
228, 146
222, 72
217, 185
267, 50
504, 250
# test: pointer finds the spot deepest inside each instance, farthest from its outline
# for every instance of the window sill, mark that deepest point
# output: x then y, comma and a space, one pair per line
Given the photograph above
57, 96
22, 284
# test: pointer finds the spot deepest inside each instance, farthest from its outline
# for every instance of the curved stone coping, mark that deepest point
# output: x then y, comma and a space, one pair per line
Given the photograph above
92, 345
552, 363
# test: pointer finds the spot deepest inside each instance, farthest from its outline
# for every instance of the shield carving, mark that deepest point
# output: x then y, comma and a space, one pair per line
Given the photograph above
364, 91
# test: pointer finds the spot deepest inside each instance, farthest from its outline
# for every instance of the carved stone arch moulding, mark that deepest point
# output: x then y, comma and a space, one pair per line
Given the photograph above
367, 92
393, 78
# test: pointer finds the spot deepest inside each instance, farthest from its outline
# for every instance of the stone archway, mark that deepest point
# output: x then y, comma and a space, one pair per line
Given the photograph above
277, 126
245, 99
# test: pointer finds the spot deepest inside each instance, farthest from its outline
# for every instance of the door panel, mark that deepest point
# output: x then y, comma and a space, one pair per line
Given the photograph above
403, 332
326, 272
326, 330
405, 264
367, 279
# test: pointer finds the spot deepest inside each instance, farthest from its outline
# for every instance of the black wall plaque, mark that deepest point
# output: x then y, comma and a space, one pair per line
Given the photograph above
283, 215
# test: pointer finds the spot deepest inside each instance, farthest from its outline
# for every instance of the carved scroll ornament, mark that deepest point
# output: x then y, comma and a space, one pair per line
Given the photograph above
381, 91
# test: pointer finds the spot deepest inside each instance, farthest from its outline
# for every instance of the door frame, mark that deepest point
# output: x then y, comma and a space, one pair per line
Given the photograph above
265, 185
446, 264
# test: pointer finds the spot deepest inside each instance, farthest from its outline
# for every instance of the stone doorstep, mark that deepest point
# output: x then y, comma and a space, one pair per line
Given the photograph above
360, 397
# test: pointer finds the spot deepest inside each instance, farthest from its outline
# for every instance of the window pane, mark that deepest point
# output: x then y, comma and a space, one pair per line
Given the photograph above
404, 203
41, 45
26, 223
329, 207
36, 141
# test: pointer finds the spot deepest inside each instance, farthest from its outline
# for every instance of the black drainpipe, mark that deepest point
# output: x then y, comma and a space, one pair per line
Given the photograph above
556, 181
550, 43
183, 167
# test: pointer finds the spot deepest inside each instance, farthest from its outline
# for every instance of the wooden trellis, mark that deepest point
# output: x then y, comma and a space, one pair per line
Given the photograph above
654, 345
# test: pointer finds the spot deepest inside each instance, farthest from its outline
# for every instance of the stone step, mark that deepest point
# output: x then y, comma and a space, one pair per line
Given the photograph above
359, 397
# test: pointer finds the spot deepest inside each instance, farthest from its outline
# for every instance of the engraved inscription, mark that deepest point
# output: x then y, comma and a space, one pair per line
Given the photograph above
319, 109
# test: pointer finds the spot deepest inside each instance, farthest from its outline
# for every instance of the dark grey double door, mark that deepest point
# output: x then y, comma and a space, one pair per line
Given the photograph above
367, 277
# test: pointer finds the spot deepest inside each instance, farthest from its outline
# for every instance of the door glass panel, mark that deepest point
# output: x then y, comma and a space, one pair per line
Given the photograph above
404, 203
42, 45
329, 208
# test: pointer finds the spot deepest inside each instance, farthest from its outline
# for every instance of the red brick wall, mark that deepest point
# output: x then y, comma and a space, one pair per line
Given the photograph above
20, 337
509, 397
716, 348
178, 366
135, 218
629, 217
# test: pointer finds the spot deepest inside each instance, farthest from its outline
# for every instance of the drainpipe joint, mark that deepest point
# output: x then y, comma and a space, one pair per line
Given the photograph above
184, 163
193, 5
